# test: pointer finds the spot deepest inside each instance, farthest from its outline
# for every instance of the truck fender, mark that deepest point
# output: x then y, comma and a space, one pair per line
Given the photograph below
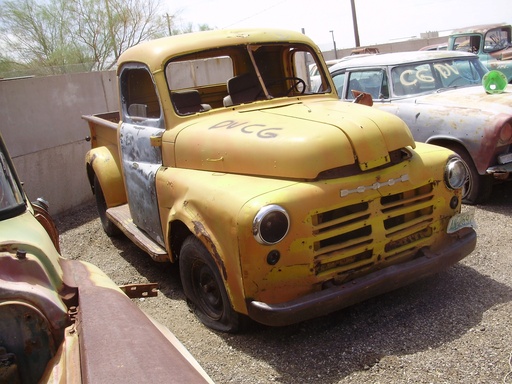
103, 162
186, 223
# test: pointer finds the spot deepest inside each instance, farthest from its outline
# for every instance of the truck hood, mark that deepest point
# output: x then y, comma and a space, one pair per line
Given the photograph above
297, 140
474, 98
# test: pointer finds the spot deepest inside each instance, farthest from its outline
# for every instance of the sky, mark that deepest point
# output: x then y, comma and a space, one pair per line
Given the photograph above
379, 21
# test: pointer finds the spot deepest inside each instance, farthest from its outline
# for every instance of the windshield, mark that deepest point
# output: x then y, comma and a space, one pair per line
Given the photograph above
11, 197
243, 74
413, 79
497, 39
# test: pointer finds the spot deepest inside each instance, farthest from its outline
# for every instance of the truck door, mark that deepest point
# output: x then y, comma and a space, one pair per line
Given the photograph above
142, 123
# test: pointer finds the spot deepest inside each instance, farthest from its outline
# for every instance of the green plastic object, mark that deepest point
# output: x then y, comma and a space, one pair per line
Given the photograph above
494, 82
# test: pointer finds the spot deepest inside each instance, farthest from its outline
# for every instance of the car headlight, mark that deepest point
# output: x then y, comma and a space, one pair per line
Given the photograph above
455, 173
270, 225
506, 133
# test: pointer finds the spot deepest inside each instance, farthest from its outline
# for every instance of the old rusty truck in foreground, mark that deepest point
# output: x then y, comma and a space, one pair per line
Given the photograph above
65, 321
278, 202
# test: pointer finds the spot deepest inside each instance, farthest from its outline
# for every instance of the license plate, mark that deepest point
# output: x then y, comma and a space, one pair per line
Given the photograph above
462, 220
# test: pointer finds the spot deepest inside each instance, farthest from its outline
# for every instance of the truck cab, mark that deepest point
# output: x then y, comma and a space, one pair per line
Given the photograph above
492, 44
271, 196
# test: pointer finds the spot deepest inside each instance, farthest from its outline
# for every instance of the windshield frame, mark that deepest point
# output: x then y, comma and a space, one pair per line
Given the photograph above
497, 39
275, 69
12, 198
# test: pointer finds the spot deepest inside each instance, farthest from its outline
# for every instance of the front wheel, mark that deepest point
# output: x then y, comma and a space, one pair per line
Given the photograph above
204, 288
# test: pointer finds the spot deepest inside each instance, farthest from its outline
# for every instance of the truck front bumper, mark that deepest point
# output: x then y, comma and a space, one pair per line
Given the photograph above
337, 297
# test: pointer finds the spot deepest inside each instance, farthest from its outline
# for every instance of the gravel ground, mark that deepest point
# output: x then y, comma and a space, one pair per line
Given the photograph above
455, 327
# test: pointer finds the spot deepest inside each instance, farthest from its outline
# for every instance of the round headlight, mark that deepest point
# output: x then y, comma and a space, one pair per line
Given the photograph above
455, 173
270, 225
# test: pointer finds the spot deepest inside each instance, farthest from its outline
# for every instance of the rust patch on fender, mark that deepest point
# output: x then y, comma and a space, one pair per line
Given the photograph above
200, 230
92, 158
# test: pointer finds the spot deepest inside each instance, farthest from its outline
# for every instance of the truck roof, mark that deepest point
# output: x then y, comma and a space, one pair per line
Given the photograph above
483, 28
398, 58
156, 52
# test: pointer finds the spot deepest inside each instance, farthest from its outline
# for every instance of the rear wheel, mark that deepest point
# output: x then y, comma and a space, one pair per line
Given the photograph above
204, 287
109, 227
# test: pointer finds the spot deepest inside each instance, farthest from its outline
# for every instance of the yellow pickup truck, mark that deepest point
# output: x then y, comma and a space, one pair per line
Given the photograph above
278, 202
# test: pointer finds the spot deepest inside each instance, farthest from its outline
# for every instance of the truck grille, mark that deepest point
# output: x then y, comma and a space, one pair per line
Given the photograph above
349, 239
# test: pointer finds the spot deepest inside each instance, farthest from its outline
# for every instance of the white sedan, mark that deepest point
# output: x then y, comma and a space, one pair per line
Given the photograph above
441, 98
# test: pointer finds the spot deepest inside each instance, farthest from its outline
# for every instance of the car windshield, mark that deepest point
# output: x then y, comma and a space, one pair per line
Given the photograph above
11, 197
413, 79
497, 39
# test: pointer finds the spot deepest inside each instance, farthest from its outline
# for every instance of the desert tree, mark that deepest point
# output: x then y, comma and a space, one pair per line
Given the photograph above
57, 34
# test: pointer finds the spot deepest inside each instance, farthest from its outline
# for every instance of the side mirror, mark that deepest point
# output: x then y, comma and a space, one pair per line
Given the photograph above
362, 98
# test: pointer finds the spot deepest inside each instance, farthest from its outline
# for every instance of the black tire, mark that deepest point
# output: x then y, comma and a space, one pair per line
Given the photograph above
204, 288
109, 227
477, 188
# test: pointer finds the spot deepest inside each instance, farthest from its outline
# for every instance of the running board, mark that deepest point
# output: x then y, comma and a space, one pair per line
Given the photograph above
121, 217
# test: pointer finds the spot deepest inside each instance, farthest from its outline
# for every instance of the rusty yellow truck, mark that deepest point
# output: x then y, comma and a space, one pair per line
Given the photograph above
278, 202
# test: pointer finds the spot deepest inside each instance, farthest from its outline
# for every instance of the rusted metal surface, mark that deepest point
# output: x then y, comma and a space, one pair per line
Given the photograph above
121, 216
140, 163
43, 216
119, 343
134, 291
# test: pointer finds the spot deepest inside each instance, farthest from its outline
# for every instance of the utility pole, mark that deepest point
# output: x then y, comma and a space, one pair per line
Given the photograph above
334, 44
354, 21
169, 23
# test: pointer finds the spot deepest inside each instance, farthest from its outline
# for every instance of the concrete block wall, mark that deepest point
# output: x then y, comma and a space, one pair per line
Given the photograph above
42, 126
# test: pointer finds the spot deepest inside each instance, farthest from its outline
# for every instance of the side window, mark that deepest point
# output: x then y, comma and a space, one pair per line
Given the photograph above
138, 95
374, 82
467, 44
339, 80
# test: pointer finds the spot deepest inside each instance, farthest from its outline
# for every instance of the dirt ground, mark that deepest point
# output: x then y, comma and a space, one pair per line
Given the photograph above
455, 327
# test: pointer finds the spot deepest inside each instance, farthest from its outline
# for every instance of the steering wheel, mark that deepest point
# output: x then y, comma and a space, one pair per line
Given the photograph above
299, 85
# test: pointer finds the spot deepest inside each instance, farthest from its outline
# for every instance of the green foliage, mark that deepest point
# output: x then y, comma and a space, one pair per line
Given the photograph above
52, 37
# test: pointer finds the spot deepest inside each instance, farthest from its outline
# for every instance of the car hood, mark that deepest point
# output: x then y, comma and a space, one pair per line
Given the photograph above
471, 98
297, 140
